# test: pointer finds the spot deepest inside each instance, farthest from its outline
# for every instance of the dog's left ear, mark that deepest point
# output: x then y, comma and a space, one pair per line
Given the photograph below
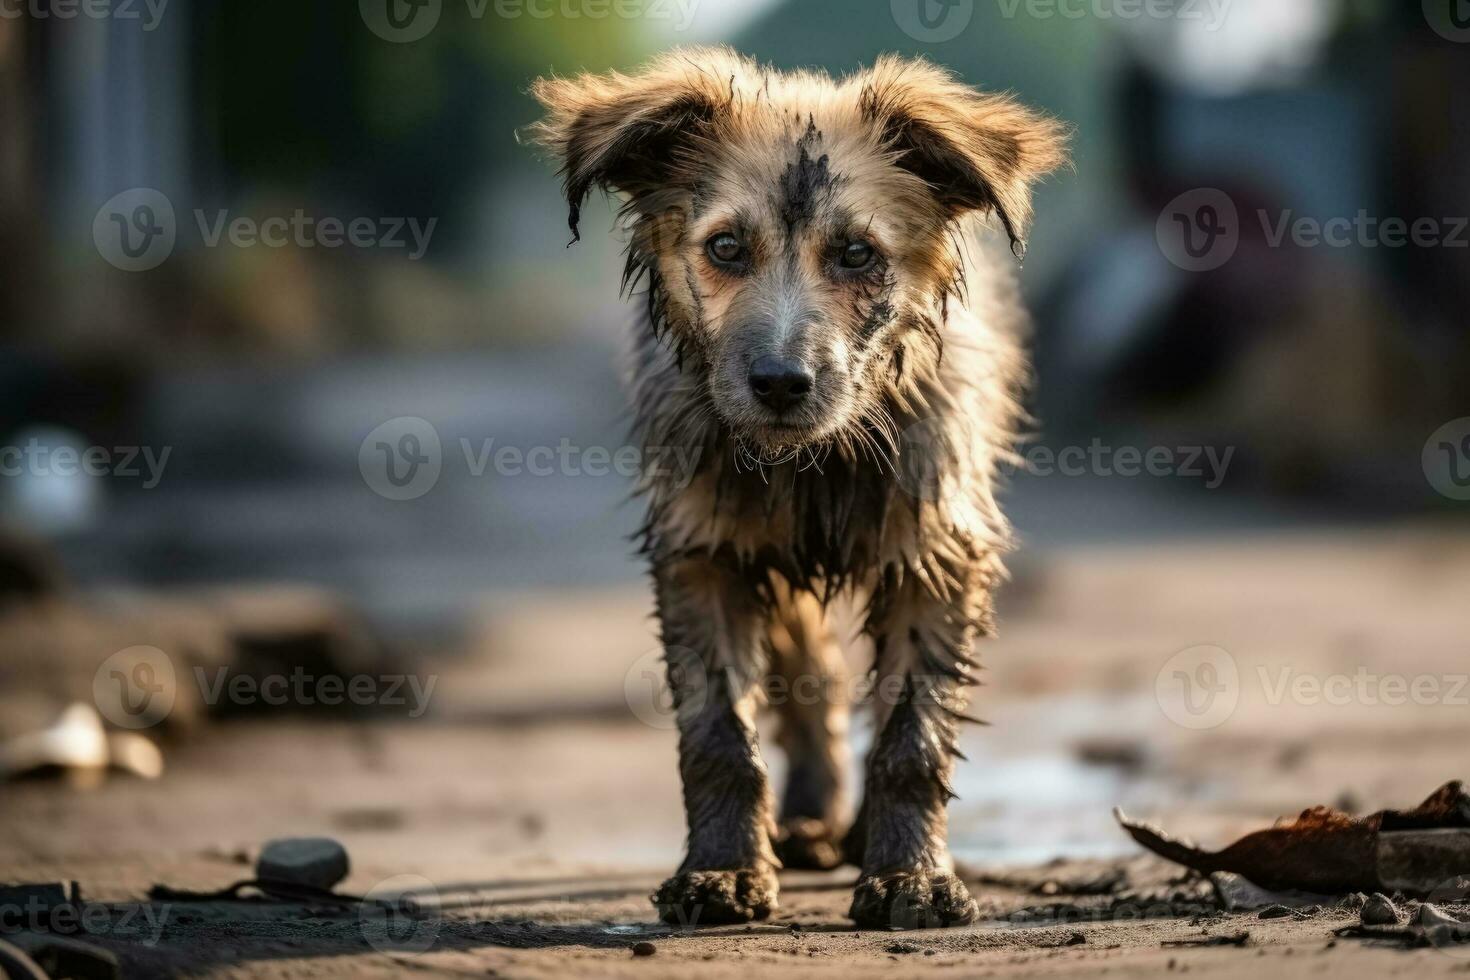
633, 133
976, 152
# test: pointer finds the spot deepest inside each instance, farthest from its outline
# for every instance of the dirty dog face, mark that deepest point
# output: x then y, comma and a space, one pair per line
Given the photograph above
794, 228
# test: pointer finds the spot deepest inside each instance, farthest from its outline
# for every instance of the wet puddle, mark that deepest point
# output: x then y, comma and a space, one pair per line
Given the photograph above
1039, 783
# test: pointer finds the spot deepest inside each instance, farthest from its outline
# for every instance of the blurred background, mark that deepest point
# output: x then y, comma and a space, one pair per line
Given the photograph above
246, 247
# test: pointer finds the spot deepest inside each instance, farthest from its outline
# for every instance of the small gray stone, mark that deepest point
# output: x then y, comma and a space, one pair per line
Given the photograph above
316, 862
1380, 911
1432, 915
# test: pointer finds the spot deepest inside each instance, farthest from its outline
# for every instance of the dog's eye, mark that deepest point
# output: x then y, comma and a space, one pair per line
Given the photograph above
725, 249
857, 255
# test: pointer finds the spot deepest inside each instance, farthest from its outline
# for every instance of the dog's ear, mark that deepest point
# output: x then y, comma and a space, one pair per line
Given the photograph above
976, 152
633, 133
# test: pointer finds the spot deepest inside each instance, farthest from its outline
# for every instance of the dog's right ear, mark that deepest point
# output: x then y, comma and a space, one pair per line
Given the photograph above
632, 133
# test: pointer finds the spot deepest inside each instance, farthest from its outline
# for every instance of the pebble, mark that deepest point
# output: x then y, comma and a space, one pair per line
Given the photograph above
644, 948
1431, 916
1380, 911
316, 862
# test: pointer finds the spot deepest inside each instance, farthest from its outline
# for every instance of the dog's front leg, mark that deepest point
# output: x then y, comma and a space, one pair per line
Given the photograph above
713, 624
924, 645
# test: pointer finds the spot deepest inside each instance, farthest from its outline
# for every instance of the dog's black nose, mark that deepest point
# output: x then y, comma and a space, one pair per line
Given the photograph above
779, 382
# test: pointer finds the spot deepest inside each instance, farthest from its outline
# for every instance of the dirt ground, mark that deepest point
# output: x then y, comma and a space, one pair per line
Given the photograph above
534, 807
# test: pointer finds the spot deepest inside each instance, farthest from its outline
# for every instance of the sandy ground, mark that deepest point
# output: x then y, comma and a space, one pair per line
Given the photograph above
535, 806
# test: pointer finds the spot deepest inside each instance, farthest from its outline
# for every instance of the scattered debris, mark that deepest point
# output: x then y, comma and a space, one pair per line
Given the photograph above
1431, 916
1379, 910
1126, 754
369, 818
532, 825
1293, 755
278, 891
1083, 882
1237, 894
1428, 925
1329, 852
313, 862
903, 948
280, 629
77, 743
1432, 928
1287, 912
644, 948
299, 869
1234, 939
227, 854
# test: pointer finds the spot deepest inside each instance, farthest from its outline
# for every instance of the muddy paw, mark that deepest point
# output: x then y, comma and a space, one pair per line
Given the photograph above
808, 844
707, 898
912, 900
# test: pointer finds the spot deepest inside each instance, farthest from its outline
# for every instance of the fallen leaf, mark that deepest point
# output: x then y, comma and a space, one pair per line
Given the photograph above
1329, 852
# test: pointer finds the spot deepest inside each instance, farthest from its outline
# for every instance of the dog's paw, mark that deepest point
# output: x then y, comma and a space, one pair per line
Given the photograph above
923, 899
707, 898
804, 843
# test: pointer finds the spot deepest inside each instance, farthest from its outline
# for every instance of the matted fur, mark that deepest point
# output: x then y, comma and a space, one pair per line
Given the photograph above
881, 483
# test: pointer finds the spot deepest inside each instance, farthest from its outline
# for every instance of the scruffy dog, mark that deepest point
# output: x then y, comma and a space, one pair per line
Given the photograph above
828, 328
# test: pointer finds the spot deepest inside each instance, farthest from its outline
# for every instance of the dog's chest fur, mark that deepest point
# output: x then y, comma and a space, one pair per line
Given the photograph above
812, 520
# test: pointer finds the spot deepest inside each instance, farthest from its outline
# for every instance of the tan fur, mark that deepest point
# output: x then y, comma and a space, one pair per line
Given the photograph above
880, 482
